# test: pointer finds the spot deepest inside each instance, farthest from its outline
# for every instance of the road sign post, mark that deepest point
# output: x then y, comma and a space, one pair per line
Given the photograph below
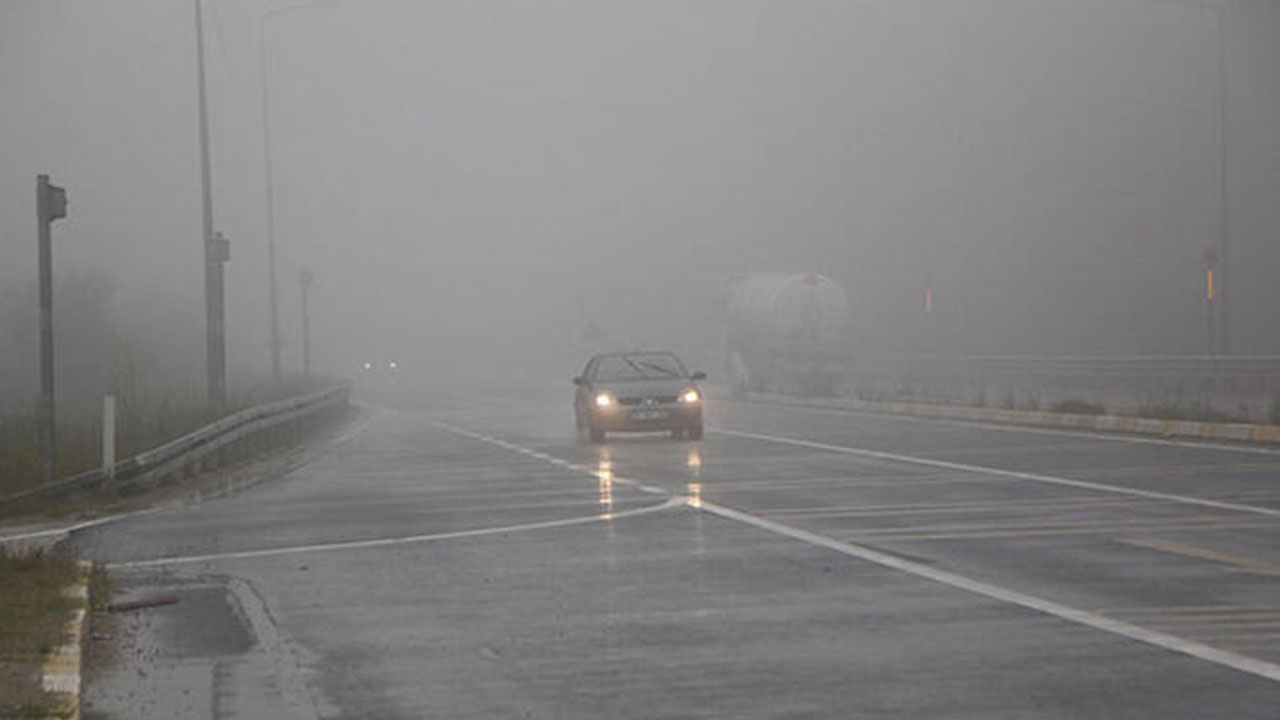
218, 255
109, 436
51, 204
305, 278
1211, 294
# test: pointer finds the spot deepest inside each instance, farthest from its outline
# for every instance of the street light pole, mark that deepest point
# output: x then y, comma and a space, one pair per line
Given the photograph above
214, 319
271, 212
268, 169
305, 278
1224, 213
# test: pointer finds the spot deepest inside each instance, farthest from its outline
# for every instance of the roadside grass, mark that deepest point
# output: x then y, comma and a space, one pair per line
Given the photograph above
33, 610
1193, 411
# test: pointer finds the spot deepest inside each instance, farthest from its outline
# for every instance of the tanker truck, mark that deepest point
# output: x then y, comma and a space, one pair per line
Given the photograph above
785, 333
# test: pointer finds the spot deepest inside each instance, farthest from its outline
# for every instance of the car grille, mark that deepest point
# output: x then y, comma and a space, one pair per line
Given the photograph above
654, 400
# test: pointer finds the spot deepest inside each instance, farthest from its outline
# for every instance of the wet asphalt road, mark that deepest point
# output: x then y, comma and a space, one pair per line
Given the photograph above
467, 558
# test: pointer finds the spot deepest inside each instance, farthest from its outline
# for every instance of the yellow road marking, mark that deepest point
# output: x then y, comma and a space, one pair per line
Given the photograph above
943, 508
1115, 529
1041, 525
1237, 561
1187, 609
1189, 625
874, 481
1193, 618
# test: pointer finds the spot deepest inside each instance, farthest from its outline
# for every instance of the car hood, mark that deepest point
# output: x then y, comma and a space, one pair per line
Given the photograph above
644, 388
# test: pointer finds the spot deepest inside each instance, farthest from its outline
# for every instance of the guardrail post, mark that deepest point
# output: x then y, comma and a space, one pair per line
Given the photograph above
109, 436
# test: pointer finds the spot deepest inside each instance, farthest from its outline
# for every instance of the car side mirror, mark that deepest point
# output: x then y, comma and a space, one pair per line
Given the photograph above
699, 375
579, 380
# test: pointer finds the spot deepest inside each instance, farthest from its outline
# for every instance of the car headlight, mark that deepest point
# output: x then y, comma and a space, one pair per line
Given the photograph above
690, 396
604, 400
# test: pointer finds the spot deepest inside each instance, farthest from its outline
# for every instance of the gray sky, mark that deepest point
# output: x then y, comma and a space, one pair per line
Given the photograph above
482, 179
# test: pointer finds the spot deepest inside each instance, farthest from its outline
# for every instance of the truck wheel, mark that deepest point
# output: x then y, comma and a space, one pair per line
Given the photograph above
694, 432
677, 433
597, 435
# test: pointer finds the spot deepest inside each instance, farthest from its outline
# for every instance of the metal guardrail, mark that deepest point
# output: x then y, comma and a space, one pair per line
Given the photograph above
1198, 366
192, 448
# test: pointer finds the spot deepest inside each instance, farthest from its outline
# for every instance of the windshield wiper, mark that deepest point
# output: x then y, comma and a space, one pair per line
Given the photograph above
665, 371
634, 366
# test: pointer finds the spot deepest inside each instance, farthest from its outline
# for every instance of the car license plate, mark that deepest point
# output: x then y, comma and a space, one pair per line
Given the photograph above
649, 415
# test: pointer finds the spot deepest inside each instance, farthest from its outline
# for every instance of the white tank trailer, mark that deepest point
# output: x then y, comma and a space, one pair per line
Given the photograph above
786, 332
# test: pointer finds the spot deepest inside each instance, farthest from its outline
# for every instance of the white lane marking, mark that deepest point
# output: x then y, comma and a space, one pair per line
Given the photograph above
68, 529
1017, 474
995, 592
1109, 436
669, 503
1031, 602
587, 469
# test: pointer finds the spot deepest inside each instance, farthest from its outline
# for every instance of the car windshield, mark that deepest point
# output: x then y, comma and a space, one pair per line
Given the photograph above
639, 366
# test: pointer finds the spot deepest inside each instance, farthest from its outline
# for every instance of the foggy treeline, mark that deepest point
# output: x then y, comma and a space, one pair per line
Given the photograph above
473, 184
142, 353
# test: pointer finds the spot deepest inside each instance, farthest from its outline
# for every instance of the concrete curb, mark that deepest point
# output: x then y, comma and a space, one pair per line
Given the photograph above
1240, 432
61, 672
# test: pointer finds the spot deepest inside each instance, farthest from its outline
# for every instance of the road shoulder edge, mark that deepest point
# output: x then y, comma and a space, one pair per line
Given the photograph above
61, 673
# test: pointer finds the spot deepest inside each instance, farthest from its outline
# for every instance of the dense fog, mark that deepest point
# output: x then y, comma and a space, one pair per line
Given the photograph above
474, 185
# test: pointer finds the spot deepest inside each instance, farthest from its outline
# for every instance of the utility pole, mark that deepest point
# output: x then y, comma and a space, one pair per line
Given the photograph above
51, 204
305, 278
271, 211
215, 248
1224, 217
268, 169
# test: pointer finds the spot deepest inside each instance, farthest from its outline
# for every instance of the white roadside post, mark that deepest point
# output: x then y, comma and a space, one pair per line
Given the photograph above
109, 436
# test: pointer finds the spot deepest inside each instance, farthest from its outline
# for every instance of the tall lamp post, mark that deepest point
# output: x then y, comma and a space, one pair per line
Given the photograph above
268, 169
1220, 305
214, 247
1224, 213
305, 278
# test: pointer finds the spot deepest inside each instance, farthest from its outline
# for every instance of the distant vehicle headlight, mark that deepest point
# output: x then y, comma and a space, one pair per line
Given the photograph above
604, 400
690, 396
393, 365
367, 366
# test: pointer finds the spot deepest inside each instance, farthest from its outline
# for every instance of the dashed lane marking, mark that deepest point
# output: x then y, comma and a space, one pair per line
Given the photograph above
1034, 477
670, 503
